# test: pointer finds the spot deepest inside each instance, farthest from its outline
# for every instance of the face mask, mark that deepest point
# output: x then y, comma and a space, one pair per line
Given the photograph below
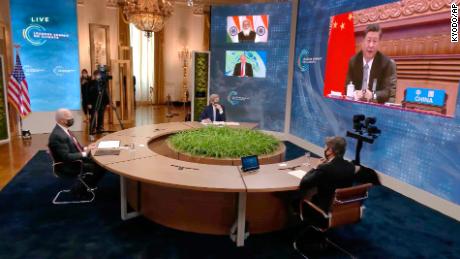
326, 155
69, 123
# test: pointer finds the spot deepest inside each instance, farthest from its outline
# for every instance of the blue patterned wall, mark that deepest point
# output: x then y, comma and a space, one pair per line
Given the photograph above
421, 150
260, 100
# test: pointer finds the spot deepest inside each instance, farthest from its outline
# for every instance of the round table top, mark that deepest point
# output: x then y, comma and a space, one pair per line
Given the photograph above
143, 164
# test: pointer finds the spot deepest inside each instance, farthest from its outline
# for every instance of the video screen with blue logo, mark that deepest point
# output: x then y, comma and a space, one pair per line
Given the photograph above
46, 32
379, 62
246, 63
250, 71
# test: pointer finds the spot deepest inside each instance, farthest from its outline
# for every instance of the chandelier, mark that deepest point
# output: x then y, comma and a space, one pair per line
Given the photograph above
147, 15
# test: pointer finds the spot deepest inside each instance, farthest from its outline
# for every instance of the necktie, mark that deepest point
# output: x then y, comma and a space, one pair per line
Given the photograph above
242, 68
75, 141
365, 77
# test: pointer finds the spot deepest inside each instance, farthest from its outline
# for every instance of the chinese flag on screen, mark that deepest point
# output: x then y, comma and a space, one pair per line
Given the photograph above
340, 49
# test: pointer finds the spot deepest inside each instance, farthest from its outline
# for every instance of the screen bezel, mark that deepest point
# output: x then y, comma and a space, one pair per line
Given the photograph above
249, 169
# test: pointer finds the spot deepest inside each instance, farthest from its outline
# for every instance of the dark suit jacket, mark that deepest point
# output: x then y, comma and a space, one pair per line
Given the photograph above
251, 37
64, 150
247, 70
383, 69
208, 114
337, 173
85, 85
94, 89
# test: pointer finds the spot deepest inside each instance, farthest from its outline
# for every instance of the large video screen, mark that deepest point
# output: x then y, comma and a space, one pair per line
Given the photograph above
380, 63
256, 91
250, 28
415, 148
46, 32
245, 63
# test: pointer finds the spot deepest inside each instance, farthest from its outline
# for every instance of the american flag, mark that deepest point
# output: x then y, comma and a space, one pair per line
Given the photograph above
18, 91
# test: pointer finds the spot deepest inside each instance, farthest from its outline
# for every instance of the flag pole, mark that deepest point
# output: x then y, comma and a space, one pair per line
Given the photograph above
23, 134
17, 47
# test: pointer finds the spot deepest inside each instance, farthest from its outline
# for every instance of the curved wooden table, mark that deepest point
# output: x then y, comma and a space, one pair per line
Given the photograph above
202, 198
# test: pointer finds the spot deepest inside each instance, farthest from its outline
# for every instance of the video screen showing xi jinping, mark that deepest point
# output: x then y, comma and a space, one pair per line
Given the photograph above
394, 56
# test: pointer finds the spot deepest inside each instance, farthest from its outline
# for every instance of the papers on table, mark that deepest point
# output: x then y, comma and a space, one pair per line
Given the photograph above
393, 104
335, 94
109, 144
298, 173
230, 123
221, 123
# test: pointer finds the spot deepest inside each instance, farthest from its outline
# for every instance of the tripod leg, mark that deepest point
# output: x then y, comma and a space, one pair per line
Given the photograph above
95, 112
118, 116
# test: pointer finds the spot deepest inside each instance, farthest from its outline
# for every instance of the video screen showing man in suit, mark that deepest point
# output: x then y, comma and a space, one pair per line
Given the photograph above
65, 148
247, 28
214, 111
243, 68
246, 64
371, 72
246, 34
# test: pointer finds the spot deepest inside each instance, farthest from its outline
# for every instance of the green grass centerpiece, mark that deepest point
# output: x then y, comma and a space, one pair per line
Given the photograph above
223, 142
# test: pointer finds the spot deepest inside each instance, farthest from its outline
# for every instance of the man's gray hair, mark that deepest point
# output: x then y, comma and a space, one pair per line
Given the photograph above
212, 97
337, 144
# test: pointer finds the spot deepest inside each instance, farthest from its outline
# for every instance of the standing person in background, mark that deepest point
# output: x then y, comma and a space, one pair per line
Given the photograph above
134, 90
85, 81
98, 91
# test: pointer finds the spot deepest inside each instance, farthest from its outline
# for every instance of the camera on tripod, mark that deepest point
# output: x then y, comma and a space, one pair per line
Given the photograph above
364, 130
366, 126
105, 72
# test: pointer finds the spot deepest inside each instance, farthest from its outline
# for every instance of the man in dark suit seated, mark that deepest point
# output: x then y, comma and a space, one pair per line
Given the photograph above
334, 172
65, 148
243, 68
246, 34
369, 69
214, 111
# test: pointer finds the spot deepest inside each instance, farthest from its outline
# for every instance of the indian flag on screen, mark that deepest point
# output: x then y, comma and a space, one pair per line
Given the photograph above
258, 24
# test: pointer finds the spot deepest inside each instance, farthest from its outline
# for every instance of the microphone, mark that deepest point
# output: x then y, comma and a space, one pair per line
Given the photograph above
374, 85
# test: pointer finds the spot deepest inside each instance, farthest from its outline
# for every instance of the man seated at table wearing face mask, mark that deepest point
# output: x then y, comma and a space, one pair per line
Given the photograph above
214, 111
64, 147
334, 172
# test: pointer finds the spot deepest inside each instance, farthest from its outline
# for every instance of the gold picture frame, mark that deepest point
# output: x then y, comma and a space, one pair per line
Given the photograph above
99, 38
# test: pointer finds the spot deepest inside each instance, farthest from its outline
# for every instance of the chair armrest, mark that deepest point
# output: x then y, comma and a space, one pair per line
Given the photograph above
76, 164
315, 208
76, 161
311, 204
350, 200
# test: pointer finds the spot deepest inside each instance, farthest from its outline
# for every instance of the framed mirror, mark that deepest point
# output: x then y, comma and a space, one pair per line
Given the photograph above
99, 45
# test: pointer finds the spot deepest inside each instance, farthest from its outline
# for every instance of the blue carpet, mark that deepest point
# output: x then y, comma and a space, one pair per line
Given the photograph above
32, 227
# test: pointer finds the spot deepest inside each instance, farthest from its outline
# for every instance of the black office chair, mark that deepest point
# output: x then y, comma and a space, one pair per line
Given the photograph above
346, 208
77, 167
